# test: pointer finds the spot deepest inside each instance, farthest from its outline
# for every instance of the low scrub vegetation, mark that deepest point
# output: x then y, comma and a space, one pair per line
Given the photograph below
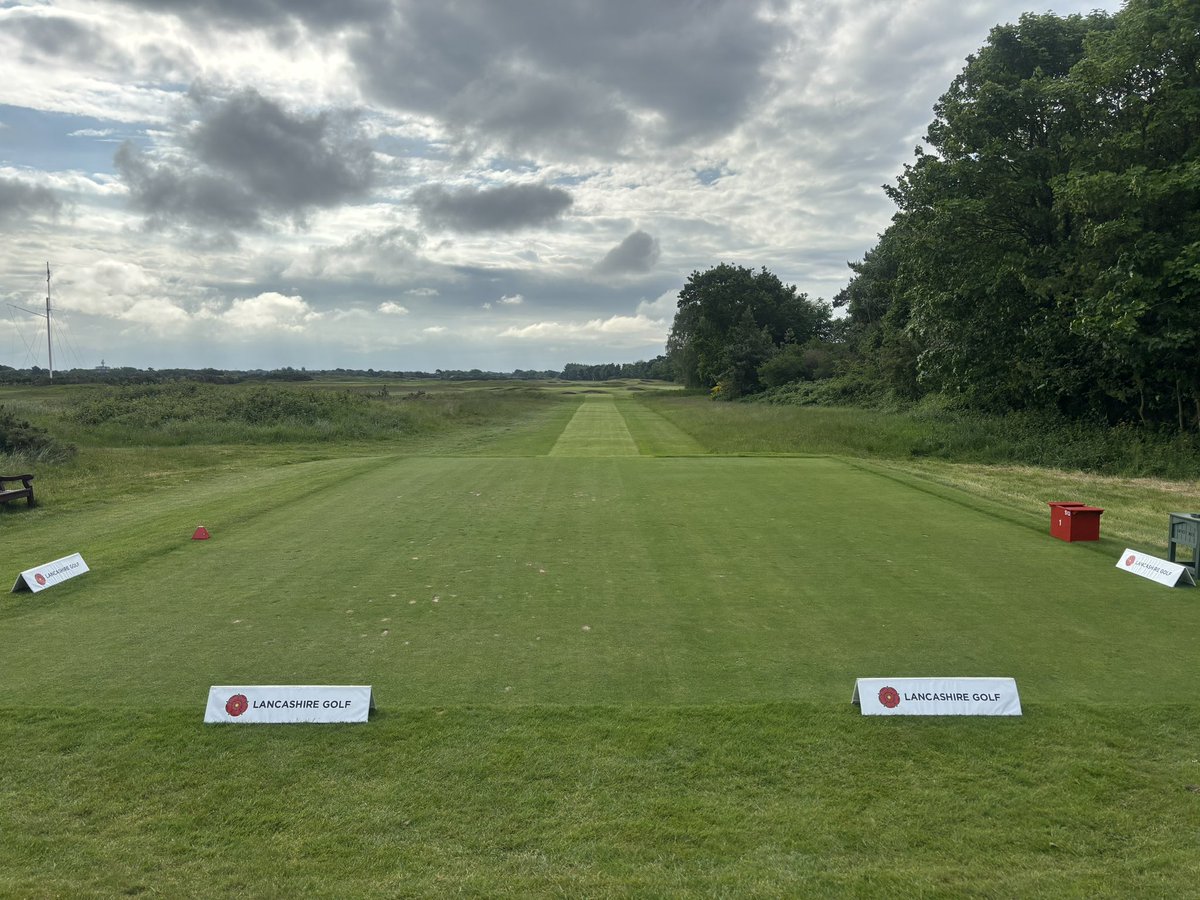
23, 443
188, 413
933, 430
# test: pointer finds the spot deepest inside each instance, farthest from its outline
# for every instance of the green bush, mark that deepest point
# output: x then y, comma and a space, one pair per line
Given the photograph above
26, 442
189, 413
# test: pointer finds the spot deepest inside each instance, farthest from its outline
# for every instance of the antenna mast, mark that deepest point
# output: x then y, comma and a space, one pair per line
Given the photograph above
49, 342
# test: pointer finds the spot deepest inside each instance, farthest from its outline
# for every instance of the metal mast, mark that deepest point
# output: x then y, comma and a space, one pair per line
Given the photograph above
49, 342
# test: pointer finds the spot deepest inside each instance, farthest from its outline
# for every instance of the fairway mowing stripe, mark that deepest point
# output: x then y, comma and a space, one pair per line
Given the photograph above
655, 435
596, 429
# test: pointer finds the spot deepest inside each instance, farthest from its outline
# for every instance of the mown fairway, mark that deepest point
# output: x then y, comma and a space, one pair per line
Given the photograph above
605, 662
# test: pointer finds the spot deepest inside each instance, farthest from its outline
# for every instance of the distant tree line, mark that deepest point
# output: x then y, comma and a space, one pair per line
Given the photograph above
1045, 252
659, 368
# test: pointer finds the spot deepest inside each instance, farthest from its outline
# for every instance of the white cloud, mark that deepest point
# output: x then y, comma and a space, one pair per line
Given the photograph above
159, 314
270, 311
434, 329
117, 276
512, 300
662, 308
633, 330
391, 308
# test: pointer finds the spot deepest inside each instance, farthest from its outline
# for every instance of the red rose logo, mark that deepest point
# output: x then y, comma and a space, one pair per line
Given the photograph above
1130, 560
39, 578
889, 697
236, 705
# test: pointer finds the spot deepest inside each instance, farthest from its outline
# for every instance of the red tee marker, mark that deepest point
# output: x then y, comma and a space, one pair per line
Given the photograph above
201, 534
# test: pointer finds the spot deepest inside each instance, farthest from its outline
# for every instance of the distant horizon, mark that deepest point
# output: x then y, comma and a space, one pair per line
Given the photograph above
519, 372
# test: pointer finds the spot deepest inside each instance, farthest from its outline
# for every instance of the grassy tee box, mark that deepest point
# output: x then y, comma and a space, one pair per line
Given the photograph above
623, 670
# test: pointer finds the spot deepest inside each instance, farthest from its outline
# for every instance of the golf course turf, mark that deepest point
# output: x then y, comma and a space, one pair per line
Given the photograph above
605, 662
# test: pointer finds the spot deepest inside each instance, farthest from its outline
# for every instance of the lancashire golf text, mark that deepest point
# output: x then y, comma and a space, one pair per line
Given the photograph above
952, 698
301, 704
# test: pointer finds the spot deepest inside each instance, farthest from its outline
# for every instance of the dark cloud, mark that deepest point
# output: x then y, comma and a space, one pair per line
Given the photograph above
572, 72
571, 113
246, 156
636, 254
50, 37
506, 208
20, 201
291, 162
172, 194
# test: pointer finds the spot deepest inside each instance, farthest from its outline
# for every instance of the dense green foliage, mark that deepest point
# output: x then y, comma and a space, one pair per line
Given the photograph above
658, 368
1044, 256
25, 442
193, 412
1046, 250
732, 321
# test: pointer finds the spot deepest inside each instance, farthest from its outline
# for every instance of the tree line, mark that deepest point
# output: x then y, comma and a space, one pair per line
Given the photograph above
1045, 250
657, 368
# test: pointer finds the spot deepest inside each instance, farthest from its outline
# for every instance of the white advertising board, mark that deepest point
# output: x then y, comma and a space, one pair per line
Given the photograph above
50, 574
937, 696
1160, 570
274, 704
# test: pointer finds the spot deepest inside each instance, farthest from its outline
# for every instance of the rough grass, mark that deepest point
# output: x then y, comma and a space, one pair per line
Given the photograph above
1136, 509
932, 432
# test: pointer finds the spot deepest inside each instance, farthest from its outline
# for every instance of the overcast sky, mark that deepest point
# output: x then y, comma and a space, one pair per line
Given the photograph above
409, 184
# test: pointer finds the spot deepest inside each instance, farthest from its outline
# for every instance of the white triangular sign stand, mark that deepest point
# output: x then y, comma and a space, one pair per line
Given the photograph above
44, 576
1159, 570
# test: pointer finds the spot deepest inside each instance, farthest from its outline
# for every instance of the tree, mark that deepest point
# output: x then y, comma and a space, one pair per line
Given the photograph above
730, 319
1133, 196
963, 294
878, 315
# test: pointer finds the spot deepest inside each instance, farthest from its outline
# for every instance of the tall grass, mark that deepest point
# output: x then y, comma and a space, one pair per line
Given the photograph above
191, 413
24, 445
932, 432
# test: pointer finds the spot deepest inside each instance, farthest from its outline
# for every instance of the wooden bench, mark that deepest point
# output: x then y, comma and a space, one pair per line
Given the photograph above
25, 491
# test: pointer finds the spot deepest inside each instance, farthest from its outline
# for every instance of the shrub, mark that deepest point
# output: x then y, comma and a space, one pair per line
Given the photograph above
26, 441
